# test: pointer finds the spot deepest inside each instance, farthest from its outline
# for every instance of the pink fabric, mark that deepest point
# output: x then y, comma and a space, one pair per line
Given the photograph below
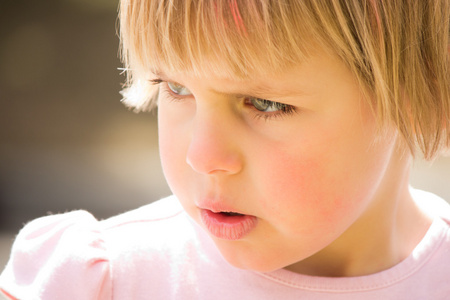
157, 252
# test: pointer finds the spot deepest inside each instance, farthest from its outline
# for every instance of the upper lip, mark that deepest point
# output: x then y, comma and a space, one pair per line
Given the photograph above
218, 206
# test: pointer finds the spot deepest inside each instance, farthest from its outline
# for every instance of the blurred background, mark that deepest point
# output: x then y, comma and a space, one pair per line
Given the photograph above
66, 141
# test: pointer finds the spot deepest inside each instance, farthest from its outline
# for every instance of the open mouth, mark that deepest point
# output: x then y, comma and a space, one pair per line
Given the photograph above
231, 214
228, 225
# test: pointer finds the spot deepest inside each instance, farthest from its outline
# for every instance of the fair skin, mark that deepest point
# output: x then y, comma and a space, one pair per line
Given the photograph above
329, 195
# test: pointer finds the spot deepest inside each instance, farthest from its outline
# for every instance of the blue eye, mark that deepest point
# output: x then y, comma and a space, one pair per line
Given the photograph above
178, 89
267, 105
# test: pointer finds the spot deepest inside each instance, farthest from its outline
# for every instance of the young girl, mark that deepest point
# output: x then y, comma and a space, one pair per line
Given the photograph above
286, 130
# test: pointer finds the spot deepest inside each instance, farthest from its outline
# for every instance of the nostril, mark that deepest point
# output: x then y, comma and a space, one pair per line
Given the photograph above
210, 164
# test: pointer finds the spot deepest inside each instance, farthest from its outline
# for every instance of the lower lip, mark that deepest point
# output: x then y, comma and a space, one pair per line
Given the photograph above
228, 227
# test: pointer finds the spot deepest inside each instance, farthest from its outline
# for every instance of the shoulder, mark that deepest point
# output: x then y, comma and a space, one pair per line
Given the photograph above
432, 254
56, 256
73, 253
431, 204
438, 235
158, 242
152, 226
150, 233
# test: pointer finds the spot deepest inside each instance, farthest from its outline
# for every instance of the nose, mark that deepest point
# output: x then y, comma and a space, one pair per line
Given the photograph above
213, 147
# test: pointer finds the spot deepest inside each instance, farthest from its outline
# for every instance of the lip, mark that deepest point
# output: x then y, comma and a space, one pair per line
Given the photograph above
227, 227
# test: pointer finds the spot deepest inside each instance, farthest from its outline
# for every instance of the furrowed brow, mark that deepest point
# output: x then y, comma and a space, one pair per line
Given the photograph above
251, 89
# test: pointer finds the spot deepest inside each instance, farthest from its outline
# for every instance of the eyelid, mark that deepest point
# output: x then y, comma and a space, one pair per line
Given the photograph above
285, 111
273, 102
156, 81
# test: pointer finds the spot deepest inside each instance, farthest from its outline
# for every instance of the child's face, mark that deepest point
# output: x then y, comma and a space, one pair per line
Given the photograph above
304, 171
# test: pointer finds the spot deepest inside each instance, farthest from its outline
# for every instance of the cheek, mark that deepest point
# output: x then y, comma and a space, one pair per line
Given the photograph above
300, 189
172, 147
325, 183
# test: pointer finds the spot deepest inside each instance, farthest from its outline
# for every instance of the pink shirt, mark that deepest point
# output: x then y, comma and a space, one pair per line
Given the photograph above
157, 252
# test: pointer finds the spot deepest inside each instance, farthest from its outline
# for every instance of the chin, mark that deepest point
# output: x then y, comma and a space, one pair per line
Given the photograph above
252, 262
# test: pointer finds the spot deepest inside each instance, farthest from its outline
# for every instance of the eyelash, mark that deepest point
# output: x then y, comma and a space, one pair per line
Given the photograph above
285, 110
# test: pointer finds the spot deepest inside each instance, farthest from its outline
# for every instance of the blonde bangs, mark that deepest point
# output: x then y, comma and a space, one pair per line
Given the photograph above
222, 37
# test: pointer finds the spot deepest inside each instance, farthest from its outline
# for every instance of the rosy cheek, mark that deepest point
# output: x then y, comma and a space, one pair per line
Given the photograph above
302, 186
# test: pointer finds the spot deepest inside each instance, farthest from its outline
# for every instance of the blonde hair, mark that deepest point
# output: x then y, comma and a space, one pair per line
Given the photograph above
398, 50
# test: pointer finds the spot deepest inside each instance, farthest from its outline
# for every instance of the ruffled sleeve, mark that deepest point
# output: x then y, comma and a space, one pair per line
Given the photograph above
59, 257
